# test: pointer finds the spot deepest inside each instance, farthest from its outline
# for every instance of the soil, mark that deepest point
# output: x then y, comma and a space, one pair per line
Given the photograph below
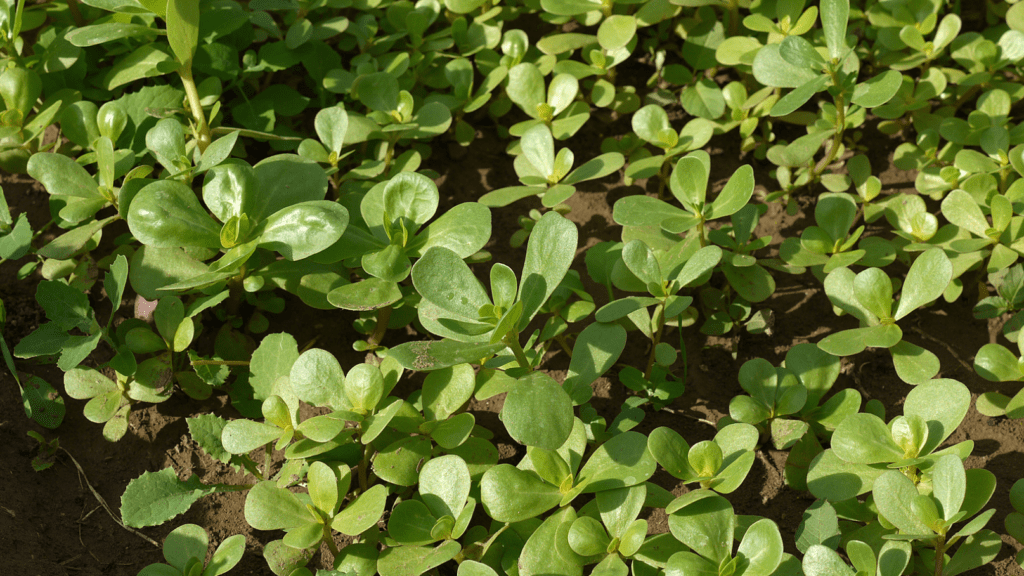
53, 522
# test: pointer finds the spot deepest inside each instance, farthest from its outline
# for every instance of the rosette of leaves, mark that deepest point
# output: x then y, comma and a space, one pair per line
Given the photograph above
864, 447
901, 34
988, 127
797, 63
465, 98
1002, 240
706, 523
785, 402
310, 519
928, 520
553, 104
443, 509
609, 533
276, 205
689, 183
185, 550
548, 478
455, 305
547, 175
913, 95
982, 58
663, 275
393, 229
21, 131
720, 464
893, 557
868, 296
651, 125
73, 331
1014, 522
831, 243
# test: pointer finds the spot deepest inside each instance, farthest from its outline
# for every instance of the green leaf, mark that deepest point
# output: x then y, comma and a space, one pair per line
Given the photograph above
547, 552
616, 31
156, 497
242, 436
834, 16
670, 450
301, 230
268, 507
363, 513
226, 556
689, 181
850, 342
823, 561
70, 183
864, 439
107, 32
378, 91
538, 412
799, 96
399, 462
996, 363
183, 29
820, 525
315, 376
368, 294
873, 289
835, 479
771, 69
437, 354
622, 461
706, 525
185, 543
447, 390
942, 403
444, 485
274, 359
284, 180
526, 88
167, 214
949, 484
926, 281
66, 306
735, 194
587, 537
760, 551
878, 90
551, 249
513, 495
801, 53
914, 365
415, 560
893, 494
597, 348
443, 278
704, 99
651, 123
976, 551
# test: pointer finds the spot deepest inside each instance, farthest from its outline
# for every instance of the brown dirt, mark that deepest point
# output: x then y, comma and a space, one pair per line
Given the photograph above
51, 524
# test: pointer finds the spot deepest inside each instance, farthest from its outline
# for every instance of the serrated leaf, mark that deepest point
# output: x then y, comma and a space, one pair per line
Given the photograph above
156, 497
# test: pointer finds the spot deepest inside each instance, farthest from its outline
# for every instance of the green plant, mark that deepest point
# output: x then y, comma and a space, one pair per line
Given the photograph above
185, 550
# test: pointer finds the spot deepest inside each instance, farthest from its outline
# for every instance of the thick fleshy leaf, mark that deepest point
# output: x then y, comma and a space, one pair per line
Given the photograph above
547, 552
301, 230
464, 229
864, 439
894, 493
242, 436
878, 90
596, 350
538, 412
444, 485
996, 363
926, 280
363, 513
834, 16
689, 182
415, 560
167, 214
437, 354
942, 403
834, 479
850, 342
760, 551
914, 365
949, 484
707, 526
735, 194
443, 278
284, 180
771, 69
824, 561
551, 249
622, 461
512, 495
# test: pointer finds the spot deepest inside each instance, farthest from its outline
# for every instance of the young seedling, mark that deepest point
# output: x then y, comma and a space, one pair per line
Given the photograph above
868, 296
720, 464
185, 550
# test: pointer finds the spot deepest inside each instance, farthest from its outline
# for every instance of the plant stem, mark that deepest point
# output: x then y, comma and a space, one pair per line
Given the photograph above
220, 362
512, 341
251, 467
329, 538
837, 140
659, 313
363, 468
202, 129
267, 451
940, 545
383, 315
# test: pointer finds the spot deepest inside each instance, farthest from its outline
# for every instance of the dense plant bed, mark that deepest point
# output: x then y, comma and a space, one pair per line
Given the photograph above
559, 287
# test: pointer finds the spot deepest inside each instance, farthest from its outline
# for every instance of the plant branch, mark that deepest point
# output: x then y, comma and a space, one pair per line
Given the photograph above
103, 502
202, 129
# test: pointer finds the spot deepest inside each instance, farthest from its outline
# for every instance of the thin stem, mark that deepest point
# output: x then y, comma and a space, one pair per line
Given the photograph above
659, 312
837, 139
363, 468
940, 552
329, 538
383, 315
220, 362
267, 451
512, 341
203, 130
